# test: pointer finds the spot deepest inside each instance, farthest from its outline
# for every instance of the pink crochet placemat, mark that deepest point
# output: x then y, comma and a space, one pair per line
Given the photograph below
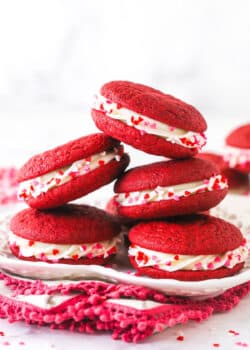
127, 312
8, 186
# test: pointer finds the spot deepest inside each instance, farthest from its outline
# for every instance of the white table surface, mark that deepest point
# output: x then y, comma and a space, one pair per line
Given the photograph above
19, 139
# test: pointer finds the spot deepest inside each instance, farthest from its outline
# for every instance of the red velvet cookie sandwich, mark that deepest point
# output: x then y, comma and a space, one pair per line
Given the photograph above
190, 248
236, 180
237, 151
149, 119
68, 172
169, 188
71, 234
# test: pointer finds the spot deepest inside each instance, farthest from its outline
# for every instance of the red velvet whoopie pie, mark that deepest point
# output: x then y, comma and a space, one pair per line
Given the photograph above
190, 248
70, 171
149, 120
71, 234
169, 188
236, 179
237, 150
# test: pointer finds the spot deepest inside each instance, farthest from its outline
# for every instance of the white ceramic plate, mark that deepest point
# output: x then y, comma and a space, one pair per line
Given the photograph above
122, 271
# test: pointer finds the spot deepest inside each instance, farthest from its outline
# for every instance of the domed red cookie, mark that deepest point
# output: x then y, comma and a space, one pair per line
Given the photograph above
68, 172
194, 248
75, 234
149, 119
169, 188
237, 151
235, 179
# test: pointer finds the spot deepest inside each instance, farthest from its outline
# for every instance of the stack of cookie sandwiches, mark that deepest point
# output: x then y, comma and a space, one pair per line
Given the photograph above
163, 203
50, 229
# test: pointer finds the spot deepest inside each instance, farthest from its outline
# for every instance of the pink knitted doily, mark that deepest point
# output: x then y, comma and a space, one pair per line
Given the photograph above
127, 312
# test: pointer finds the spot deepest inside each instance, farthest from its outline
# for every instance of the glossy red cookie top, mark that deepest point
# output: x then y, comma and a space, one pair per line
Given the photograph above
190, 235
66, 154
166, 173
154, 104
239, 137
69, 224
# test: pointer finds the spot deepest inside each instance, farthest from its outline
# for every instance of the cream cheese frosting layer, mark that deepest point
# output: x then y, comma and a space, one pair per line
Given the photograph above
236, 156
176, 192
146, 125
174, 262
49, 251
58, 177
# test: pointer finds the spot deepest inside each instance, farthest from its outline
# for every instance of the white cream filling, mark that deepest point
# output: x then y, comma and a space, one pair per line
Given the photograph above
174, 192
174, 262
189, 139
50, 251
58, 177
236, 156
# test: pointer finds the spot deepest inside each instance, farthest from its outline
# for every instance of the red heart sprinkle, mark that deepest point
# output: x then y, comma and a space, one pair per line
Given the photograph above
55, 251
180, 338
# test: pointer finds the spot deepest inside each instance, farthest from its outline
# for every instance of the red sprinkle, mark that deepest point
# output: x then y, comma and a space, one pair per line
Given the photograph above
142, 257
231, 331
2, 334
146, 196
176, 257
55, 251
75, 256
216, 345
180, 338
31, 243
241, 343
136, 121
101, 162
